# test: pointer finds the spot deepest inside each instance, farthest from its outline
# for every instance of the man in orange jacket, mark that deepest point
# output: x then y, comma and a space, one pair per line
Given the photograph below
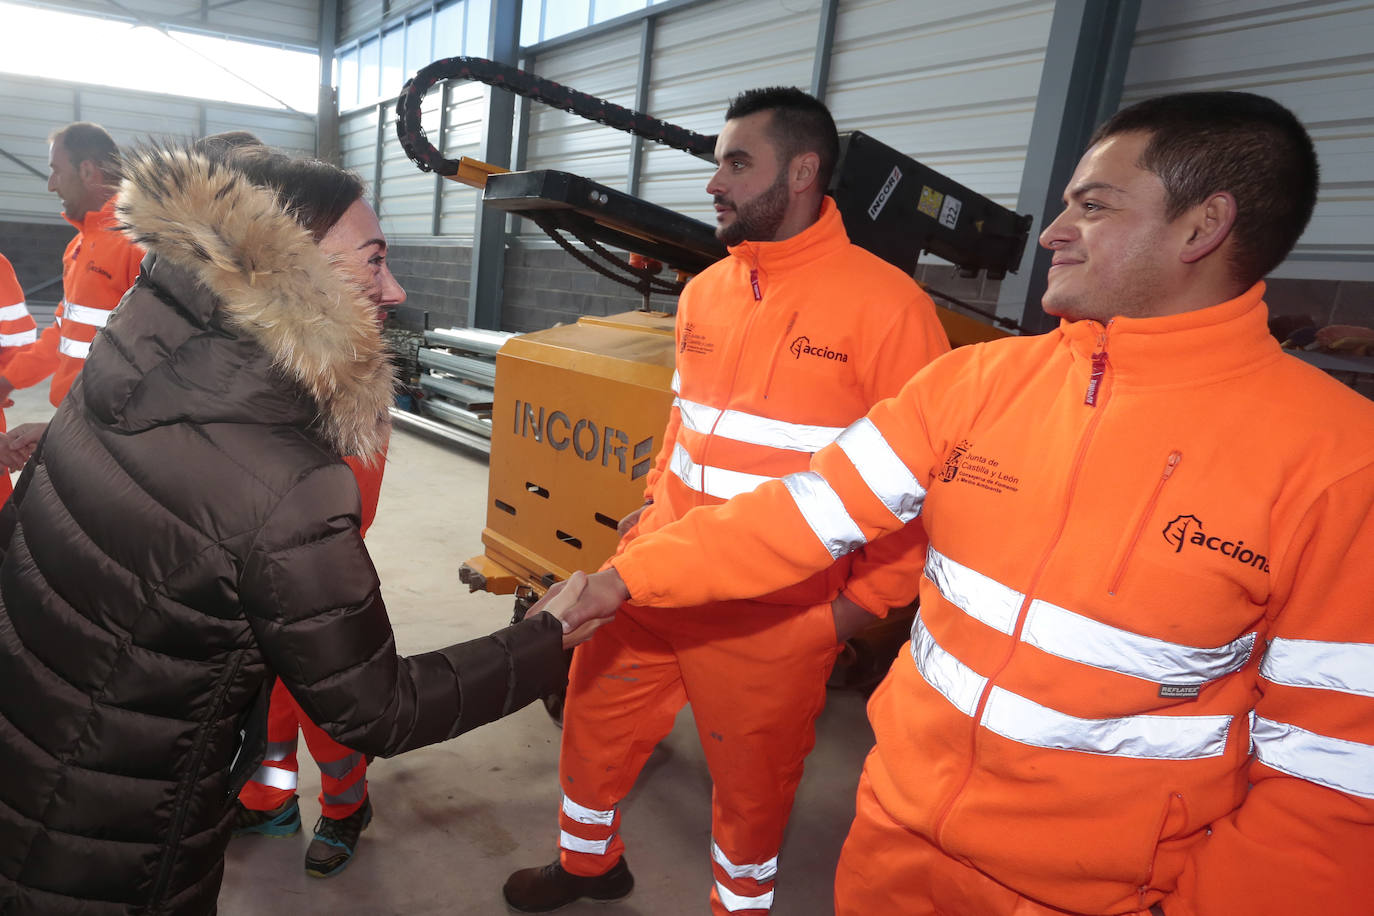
1141, 678
779, 346
17, 332
98, 267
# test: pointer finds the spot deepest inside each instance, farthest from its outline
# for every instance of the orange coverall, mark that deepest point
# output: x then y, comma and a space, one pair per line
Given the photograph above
779, 347
17, 331
1143, 671
343, 772
98, 268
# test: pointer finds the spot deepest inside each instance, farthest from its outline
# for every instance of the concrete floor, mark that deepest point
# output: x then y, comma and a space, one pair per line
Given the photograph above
453, 820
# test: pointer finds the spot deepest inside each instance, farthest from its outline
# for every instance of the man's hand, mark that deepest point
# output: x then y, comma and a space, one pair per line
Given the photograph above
583, 604
632, 519
849, 617
583, 601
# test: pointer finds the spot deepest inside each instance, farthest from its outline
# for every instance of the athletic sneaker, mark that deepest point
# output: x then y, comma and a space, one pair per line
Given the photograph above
282, 821
335, 840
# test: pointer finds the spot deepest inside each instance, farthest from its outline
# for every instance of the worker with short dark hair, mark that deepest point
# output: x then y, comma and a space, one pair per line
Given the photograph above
779, 347
1142, 677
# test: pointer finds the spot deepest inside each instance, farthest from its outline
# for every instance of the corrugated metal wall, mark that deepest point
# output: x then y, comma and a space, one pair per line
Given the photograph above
33, 108
952, 85
705, 55
1314, 57
291, 22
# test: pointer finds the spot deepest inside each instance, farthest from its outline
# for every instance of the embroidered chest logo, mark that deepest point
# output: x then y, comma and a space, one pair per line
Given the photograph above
93, 267
802, 346
693, 341
963, 465
1188, 531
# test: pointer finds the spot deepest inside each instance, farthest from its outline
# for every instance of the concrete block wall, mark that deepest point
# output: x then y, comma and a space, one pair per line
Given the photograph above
547, 286
35, 250
435, 278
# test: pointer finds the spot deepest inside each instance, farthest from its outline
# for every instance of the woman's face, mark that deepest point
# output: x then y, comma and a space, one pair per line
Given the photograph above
357, 247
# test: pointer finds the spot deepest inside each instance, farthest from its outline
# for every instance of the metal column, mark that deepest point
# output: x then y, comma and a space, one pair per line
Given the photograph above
1080, 86
486, 287
327, 106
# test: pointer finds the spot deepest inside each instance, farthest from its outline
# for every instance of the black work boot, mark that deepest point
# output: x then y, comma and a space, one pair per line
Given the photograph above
549, 887
335, 842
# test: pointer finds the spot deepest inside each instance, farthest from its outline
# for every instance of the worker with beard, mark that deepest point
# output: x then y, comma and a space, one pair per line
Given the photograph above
794, 335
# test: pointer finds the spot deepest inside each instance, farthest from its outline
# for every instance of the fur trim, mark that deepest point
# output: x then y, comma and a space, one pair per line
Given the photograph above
273, 282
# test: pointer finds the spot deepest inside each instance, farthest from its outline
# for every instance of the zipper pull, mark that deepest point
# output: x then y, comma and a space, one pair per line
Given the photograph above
1095, 380
1174, 458
754, 282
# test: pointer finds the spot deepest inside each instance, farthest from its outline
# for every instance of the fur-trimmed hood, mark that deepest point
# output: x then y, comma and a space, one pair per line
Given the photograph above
269, 281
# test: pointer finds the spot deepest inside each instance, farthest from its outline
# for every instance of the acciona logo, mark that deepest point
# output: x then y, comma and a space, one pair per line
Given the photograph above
802, 347
1188, 529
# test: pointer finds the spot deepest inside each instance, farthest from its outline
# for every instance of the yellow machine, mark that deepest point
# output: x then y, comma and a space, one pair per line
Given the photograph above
576, 423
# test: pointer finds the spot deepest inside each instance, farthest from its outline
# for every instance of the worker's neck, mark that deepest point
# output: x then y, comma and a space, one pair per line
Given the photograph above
801, 215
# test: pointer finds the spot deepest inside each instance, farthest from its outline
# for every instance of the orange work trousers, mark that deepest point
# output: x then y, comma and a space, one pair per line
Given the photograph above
343, 773
755, 675
887, 868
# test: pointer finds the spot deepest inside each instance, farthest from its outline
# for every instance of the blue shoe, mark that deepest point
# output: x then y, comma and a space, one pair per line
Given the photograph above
335, 840
282, 821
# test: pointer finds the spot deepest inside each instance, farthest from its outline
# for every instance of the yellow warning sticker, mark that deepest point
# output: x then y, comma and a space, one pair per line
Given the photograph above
930, 202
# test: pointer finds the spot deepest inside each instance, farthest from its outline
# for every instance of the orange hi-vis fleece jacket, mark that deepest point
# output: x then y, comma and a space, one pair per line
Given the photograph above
98, 267
780, 346
17, 327
1143, 669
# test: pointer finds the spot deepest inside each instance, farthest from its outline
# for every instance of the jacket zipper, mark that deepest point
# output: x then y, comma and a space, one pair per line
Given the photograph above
1170, 463
777, 355
171, 846
1096, 397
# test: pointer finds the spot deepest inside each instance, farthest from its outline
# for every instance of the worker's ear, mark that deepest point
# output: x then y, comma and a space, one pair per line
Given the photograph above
90, 173
805, 169
1208, 224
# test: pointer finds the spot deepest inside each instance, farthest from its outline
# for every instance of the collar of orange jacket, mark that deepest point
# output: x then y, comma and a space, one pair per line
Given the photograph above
826, 234
1183, 349
95, 219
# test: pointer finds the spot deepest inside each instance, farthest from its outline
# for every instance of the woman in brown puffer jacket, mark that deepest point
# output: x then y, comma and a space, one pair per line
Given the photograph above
187, 529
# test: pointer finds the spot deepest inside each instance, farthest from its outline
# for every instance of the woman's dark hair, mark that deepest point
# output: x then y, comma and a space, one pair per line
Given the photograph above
315, 192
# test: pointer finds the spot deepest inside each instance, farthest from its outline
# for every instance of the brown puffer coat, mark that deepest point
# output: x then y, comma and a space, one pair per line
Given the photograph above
187, 527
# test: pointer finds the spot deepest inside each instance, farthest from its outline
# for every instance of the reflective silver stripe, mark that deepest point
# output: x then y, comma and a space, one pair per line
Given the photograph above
576, 844
14, 312
677, 382
1344, 666
889, 479
20, 339
982, 598
721, 483
754, 429
824, 511
76, 349
1346, 766
350, 796
1017, 718
84, 314
736, 902
280, 750
765, 871
587, 815
275, 777
338, 769
1081, 639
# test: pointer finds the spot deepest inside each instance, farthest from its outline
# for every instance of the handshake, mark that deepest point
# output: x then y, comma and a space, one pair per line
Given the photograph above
583, 603
18, 444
